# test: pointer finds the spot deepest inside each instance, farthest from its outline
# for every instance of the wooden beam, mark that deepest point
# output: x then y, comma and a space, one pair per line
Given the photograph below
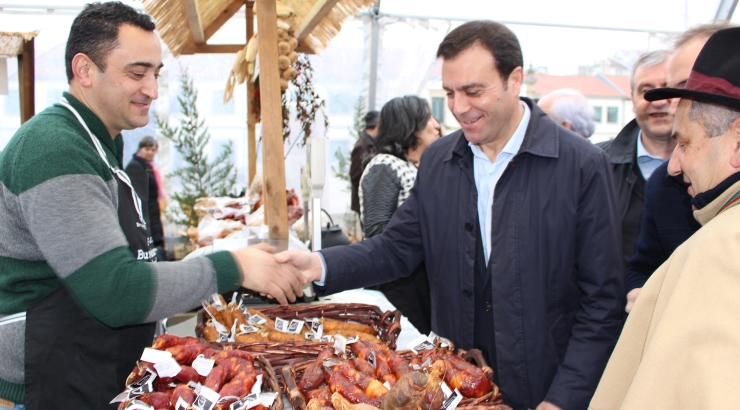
212, 48
312, 19
26, 81
251, 119
196, 25
273, 162
222, 18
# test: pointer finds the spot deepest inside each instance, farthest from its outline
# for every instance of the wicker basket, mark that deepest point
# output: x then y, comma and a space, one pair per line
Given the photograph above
387, 325
270, 381
490, 401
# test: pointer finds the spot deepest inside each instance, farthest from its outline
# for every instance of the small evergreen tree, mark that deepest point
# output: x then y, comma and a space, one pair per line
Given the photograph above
199, 177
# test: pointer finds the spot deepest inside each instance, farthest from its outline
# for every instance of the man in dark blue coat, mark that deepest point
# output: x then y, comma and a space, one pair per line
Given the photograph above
516, 220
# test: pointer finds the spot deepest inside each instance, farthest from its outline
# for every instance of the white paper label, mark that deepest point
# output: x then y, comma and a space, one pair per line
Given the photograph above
196, 386
181, 404
206, 399
267, 399
138, 405
327, 338
387, 385
247, 329
281, 325
257, 387
317, 328
233, 299
351, 340
155, 356
445, 389
220, 328
256, 320
202, 365
232, 334
451, 402
216, 301
340, 342
420, 344
120, 398
371, 359
168, 368
252, 400
433, 338
310, 337
144, 385
295, 327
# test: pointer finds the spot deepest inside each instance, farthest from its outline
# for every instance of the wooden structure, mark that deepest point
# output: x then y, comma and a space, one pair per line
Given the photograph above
186, 26
21, 45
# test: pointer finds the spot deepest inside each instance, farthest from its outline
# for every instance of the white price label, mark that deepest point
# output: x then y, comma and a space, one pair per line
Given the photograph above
340, 343
420, 344
138, 405
257, 386
216, 301
295, 326
256, 320
154, 356
247, 329
445, 389
252, 400
202, 365
387, 385
206, 399
267, 399
168, 368
451, 402
181, 404
351, 340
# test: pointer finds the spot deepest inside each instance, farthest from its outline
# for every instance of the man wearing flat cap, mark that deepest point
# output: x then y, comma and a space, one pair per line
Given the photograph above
680, 347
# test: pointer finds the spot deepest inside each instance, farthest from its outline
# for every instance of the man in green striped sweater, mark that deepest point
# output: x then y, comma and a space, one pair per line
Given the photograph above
74, 284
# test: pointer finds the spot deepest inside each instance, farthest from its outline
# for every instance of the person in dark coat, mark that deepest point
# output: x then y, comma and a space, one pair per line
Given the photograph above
142, 167
642, 145
363, 148
516, 220
668, 218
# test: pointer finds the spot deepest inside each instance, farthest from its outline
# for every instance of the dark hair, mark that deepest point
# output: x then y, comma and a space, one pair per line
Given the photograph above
400, 119
371, 119
494, 37
94, 31
148, 142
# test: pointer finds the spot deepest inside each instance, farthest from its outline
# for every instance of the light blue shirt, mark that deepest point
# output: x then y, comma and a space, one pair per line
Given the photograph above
646, 162
488, 173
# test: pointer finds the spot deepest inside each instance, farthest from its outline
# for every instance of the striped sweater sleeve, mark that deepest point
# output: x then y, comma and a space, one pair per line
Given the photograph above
73, 220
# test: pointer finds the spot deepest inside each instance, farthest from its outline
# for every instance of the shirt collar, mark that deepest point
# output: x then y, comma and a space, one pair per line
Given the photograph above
642, 154
515, 142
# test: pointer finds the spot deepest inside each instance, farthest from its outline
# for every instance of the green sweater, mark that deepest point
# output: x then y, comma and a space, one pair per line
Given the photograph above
59, 226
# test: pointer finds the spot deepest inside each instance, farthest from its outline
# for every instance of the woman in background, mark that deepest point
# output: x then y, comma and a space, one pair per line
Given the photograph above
406, 128
148, 182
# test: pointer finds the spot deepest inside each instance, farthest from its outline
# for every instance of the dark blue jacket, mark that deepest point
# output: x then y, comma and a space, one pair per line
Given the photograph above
557, 283
667, 221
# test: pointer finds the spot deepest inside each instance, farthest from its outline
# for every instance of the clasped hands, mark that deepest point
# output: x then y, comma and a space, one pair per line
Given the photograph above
279, 276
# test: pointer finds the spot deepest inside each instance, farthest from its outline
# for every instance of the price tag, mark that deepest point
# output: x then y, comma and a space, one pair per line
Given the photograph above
351, 340
295, 326
445, 389
120, 398
247, 329
387, 385
327, 338
252, 400
281, 325
218, 325
144, 385
372, 359
216, 301
206, 399
257, 386
451, 402
168, 368
310, 336
233, 298
155, 356
340, 343
138, 405
202, 365
181, 404
256, 319
267, 399
420, 344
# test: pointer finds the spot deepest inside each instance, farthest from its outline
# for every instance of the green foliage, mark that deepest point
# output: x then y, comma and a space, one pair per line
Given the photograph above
358, 120
199, 177
341, 171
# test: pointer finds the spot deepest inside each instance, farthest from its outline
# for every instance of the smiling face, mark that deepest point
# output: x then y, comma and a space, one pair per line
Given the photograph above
483, 104
122, 94
703, 161
654, 118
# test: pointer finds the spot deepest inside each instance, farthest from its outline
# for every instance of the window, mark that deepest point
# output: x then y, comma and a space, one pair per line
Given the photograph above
611, 114
438, 109
218, 106
597, 113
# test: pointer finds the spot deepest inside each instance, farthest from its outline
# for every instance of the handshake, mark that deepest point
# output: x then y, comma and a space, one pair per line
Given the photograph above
278, 276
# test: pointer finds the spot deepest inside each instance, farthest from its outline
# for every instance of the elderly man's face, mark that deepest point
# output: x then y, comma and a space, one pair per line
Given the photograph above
654, 118
124, 92
703, 161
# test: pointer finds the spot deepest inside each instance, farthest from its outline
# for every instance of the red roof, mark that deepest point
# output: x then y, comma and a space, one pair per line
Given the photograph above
590, 86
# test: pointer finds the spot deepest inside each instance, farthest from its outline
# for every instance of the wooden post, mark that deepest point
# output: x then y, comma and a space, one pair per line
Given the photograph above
273, 163
26, 81
251, 119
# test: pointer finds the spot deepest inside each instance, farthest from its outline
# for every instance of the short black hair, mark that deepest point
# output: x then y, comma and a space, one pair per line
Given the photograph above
94, 31
371, 119
400, 119
148, 141
494, 37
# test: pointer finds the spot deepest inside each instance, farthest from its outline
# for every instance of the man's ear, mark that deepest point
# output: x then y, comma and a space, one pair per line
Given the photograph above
567, 125
82, 67
516, 77
734, 134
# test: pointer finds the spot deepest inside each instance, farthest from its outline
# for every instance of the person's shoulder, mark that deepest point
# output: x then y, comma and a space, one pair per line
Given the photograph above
48, 145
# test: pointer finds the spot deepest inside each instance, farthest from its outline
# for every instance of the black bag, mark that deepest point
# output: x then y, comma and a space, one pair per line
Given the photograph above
332, 234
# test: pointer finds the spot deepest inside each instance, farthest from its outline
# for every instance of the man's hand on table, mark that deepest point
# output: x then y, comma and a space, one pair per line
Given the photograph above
262, 273
306, 263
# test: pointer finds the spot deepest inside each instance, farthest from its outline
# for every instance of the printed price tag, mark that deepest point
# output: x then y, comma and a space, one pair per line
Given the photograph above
144, 385
247, 329
451, 402
420, 344
351, 340
216, 301
220, 328
295, 326
371, 359
196, 386
138, 405
340, 343
281, 325
316, 326
327, 338
433, 338
257, 387
248, 402
168, 368
233, 299
310, 336
256, 319
445, 389
223, 337
202, 365
181, 404
206, 399
154, 356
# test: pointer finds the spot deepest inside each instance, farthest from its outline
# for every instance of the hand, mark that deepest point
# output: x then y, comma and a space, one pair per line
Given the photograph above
305, 262
547, 406
631, 298
261, 273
